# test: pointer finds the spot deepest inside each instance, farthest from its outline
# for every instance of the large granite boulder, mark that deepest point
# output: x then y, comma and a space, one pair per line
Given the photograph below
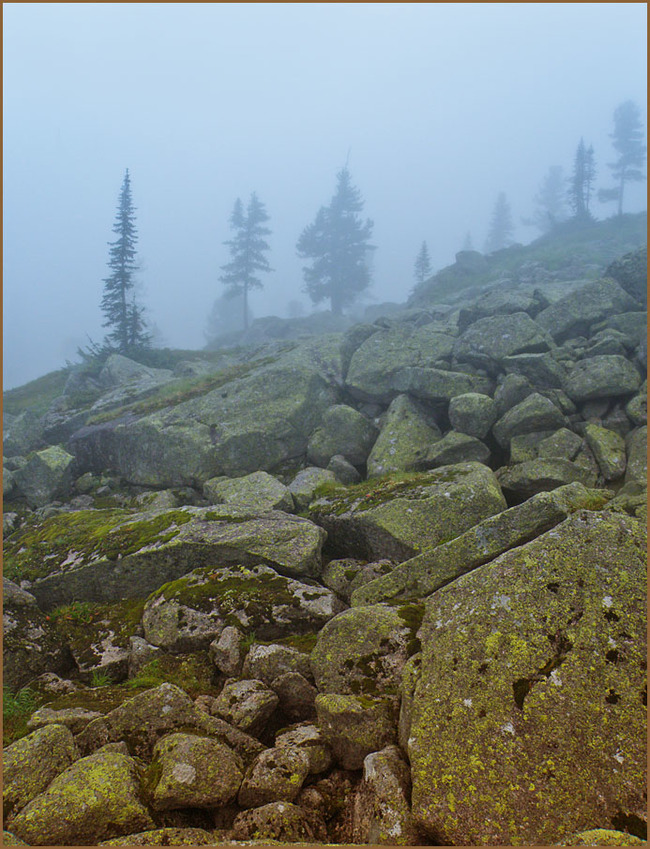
397, 518
524, 480
257, 492
532, 686
276, 775
303, 487
22, 434
246, 704
375, 641
343, 431
255, 421
631, 273
602, 377
278, 822
534, 413
96, 798
454, 448
106, 555
486, 342
255, 599
355, 726
406, 431
46, 476
473, 414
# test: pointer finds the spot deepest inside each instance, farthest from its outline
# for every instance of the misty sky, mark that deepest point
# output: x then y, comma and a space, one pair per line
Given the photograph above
440, 107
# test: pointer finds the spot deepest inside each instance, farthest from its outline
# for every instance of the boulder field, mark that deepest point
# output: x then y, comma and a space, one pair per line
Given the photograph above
385, 586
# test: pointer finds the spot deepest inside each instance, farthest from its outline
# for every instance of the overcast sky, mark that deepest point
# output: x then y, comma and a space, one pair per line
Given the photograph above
439, 106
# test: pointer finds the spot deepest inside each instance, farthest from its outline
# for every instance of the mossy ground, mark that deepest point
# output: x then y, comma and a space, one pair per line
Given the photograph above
40, 547
37, 395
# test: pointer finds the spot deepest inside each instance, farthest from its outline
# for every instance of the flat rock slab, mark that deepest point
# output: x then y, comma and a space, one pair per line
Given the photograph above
533, 688
398, 518
106, 555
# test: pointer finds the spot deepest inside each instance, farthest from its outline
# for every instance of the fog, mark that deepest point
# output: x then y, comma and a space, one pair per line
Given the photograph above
436, 107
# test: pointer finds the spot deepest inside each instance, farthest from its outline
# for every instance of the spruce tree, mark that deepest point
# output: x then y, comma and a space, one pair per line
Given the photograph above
119, 305
627, 140
337, 242
581, 182
247, 251
550, 209
422, 264
501, 229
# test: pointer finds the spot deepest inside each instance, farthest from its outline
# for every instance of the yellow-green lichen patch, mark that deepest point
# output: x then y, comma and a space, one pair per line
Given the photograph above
69, 539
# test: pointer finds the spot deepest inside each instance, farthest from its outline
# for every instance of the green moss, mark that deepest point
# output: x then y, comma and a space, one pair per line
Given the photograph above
301, 642
412, 615
40, 547
37, 395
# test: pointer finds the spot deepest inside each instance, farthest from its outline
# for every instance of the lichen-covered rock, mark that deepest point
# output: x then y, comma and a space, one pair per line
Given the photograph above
604, 837
227, 650
74, 719
637, 408
108, 555
355, 726
543, 370
143, 719
631, 272
608, 449
542, 475
397, 518
563, 443
305, 484
487, 341
454, 448
473, 414
576, 312
533, 689
276, 775
31, 643
22, 434
266, 663
343, 431
602, 377
439, 384
343, 470
45, 476
119, 370
96, 798
29, 764
165, 837
511, 391
296, 696
247, 704
363, 650
258, 492
278, 821
257, 599
406, 432
380, 810
380, 358
637, 457
427, 572
309, 739
192, 772
345, 576
534, 413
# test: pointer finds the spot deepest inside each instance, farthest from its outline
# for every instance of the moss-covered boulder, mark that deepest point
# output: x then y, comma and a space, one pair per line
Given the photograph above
631, 273
22, 434
267, 662
96, 798
343, 431
524, 480
604, 376
46, 475
254, 599
380, 809
258, 415
544, 371
280, 822
257, 492
276, 775
609, 450
29, 764
142, 720
165, 837
108, 555
454, 448
487, 341
363, 650
31, 642
533, 689
406, 432
355, 726
637, 457
535, 413
439, 384
309, 739
427, 572
604, 837
397, 517
247, 704
303, 487
75, 719
473, 414
379, 359
192, 772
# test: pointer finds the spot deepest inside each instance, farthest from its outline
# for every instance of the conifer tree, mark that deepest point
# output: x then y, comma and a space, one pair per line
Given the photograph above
501, 229
581, 182
627, 140
119, 305
337, 242
422, 264
247, 251
550, 209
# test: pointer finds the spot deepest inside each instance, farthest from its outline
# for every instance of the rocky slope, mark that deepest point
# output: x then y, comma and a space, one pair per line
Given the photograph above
382, 586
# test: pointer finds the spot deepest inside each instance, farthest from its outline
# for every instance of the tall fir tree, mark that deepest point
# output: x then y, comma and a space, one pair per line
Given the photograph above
550, 207
247, 251
581, 182
338, 244
119, 304
501, 229
422, 264
627, 140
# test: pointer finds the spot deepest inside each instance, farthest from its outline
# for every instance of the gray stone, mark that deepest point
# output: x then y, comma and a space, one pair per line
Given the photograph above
542, 475
455, 448
608, 449
258, 492
344, 471
489, 340
46, 475
534, 413
511, 391
276, 775
281, 822
227, 650
637, 457
245, 704
75, 719
305, 483
406, 432
23, 434
297, 696
266, 663
435, 384
602, 377
563, 443
473, 414
343, 431
543, 370
355, 726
